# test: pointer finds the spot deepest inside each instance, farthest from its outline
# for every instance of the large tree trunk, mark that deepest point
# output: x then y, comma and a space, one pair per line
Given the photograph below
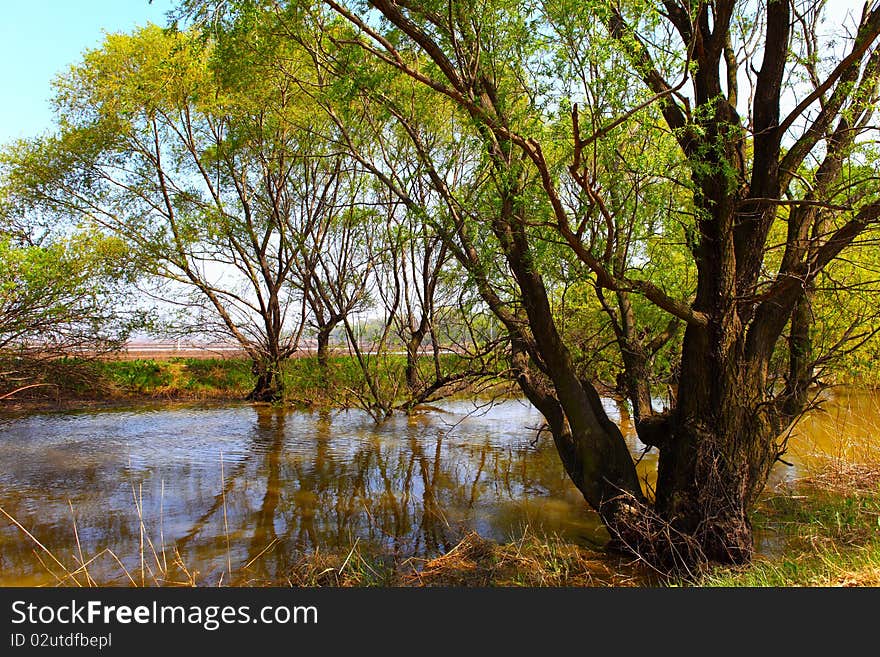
720, 449
708, 480
720, 442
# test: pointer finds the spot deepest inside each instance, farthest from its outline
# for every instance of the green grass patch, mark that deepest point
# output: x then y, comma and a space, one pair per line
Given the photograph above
306, 382
179, 377
826, 537
342, 384
220, 374
137, 375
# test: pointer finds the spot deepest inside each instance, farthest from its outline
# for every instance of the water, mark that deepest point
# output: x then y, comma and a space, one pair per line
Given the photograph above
200, 491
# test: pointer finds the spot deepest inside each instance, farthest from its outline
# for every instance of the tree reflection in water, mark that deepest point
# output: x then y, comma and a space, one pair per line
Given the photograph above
293, 482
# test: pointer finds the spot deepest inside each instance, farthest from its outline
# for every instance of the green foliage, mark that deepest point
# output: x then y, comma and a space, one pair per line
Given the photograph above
263, 85
341, 385
62, 294
198, 155
218, 374
181, 377
139, 376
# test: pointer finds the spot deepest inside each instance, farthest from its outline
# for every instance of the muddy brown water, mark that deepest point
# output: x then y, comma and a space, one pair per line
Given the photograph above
198, 491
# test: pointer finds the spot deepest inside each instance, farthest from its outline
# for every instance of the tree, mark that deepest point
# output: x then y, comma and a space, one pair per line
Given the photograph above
61, 295
196, 159
753, 177
66, 295
424, 293
338, 273
510, 68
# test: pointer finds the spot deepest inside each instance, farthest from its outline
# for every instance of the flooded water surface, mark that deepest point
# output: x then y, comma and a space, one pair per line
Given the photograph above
187, 493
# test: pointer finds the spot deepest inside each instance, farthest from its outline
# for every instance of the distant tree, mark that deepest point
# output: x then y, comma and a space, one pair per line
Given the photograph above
427, 299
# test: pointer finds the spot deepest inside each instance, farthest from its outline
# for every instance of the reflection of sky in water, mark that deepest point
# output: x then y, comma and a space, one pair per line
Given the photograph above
291, 480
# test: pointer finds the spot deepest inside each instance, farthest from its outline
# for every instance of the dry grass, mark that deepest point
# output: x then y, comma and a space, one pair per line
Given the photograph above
844, 478
353, 569
165, 572
869, 576
531, 560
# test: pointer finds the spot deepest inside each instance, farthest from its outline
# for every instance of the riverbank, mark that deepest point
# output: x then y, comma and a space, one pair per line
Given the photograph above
826, 528
64, 384
75, 383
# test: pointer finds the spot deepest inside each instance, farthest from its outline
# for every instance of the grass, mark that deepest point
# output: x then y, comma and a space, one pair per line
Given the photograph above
179, 377
532, 560
69, 380
829, 527
75, 379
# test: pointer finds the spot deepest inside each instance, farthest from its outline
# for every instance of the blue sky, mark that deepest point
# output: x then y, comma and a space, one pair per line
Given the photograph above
40, 38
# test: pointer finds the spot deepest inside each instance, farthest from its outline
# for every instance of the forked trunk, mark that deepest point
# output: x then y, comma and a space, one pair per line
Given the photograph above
708, 480
720, 446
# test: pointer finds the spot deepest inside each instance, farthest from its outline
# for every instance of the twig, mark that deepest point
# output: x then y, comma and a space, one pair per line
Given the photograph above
82, 561
40, 545
225, 521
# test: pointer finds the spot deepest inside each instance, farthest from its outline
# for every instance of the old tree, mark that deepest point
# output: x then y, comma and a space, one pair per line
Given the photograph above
769, 122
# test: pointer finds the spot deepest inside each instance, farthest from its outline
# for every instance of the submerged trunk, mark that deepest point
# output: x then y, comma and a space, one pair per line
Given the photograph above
719, 442
708, 480
269, 385
720, 447
716, 447
716, 450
